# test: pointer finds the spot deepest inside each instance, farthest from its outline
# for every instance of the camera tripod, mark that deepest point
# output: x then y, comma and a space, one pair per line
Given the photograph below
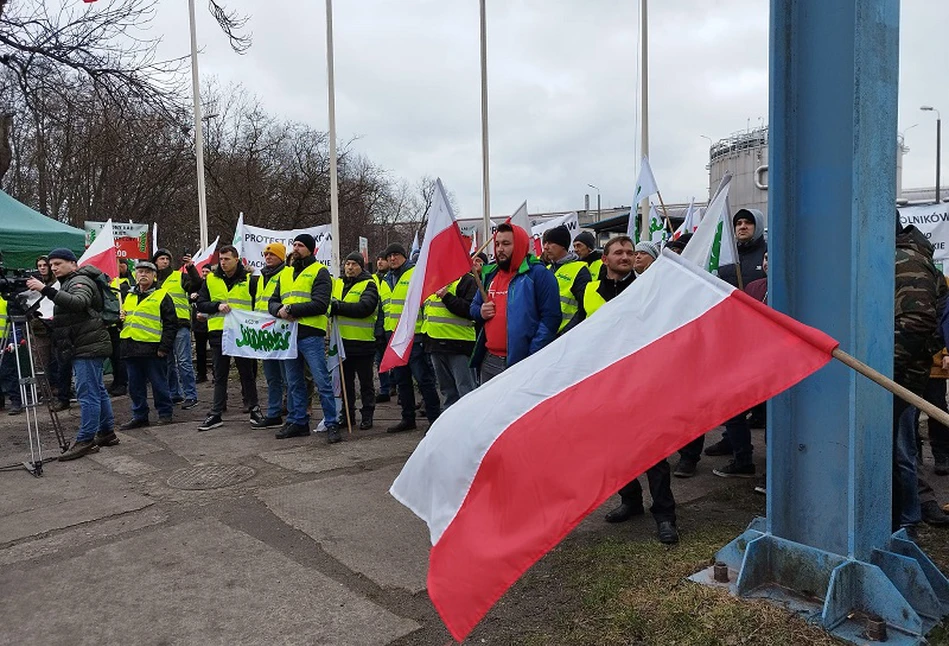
33, 383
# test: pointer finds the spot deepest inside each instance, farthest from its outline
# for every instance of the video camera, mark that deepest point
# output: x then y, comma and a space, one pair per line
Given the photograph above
12, 287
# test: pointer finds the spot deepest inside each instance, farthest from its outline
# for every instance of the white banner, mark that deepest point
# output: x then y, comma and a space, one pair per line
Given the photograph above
256, 335
933, 221
254, 239
570, 220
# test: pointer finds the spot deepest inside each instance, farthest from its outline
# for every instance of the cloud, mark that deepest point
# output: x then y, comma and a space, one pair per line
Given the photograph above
562, 87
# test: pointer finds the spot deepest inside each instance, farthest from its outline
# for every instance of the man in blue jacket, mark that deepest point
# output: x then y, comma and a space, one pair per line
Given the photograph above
522, 311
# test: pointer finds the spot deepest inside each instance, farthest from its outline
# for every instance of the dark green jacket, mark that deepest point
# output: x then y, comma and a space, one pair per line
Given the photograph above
78, 330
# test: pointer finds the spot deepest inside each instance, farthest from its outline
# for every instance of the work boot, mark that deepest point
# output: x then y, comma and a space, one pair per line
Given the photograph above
667, 532
60, 405
15, 410
165, 421
134, 424
722, 447
188, 404
292, 430
685, 468
365, 424
932, 514
402, 426
333, 434
118, 390
78, 449
624, 511
106, 438
380, 398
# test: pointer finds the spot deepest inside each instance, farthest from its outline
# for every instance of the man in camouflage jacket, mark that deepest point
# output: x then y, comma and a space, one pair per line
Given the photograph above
920, 294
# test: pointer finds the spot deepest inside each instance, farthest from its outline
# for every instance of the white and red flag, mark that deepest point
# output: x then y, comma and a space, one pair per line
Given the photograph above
205, 256
102, 253
510, 469
442, 259
690, 223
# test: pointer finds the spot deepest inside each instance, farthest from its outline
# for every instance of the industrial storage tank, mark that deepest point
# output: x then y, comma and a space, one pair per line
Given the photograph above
745, 154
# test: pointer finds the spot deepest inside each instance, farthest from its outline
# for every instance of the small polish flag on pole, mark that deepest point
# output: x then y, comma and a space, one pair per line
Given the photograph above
205, 256
101, 253
442, 259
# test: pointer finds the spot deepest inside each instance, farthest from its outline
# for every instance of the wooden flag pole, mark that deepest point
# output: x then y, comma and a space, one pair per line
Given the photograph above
665, 213
898, 390
477, 277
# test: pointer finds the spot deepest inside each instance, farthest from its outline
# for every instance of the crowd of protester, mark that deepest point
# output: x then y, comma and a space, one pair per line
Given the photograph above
467, 333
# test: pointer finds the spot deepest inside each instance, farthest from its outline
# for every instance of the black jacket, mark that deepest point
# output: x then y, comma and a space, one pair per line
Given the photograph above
169, 327
610, 289
750, 255
367, 305
78, 330
204, 303
458, 304
320, 295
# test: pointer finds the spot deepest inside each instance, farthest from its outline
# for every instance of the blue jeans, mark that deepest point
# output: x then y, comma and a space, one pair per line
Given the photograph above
312, 351
141, 372
273, 373
420, 367
181, 382
455, 379
906, 486
95, 408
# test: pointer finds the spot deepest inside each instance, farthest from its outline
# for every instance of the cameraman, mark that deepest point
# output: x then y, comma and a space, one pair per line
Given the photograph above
80, 335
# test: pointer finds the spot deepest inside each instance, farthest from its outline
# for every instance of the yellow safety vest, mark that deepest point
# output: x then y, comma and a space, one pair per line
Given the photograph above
351, 329
3, 315
397, 302
385, 297
179, 297
266, 290
298, 290
592, 301
595, 267
143, 317
116, 283
440, 323
566, 275
238, 297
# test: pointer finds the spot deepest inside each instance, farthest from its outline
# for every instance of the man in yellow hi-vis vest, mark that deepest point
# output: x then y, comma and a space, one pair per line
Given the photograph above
572, 276
354, 309
382, 268
303, 295
274, 266
228, 287
149, 324
584, 245
420, 365
179, 283
450, 337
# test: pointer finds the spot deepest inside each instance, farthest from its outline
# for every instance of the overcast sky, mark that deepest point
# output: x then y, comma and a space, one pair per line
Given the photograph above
562, 87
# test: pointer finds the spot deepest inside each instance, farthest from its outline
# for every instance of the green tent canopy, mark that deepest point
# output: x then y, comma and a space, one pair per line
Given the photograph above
26, 234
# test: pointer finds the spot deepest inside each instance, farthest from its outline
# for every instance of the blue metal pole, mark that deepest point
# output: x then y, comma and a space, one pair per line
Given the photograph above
826, 548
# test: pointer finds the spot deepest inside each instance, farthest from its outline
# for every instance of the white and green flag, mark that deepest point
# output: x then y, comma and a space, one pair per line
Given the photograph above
713, 244
645, 187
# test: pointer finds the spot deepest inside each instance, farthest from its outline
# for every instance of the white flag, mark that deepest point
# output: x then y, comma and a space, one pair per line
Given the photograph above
154, 238
657, 228
713, 245
238, 240
645, 187
335, 356
416, 247
520, 218
690, 223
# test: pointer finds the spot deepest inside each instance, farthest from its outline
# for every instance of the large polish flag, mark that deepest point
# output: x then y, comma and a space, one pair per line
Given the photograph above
510, 469
102, 253
443, 259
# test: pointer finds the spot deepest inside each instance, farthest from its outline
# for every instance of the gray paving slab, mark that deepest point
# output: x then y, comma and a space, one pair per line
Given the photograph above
68, 494
231, 443
318, 458
197, 583
73, 537
358, 523
124, 465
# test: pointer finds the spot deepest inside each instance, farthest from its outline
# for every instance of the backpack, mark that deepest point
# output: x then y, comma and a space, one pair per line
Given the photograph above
110, 300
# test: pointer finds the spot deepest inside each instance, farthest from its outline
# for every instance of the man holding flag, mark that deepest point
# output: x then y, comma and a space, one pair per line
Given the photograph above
522, 312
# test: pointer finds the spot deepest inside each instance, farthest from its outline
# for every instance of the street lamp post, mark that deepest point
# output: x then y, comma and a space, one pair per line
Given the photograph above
598, 212
929, 108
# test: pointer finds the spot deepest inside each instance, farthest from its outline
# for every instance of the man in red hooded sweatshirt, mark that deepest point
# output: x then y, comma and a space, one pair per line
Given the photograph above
522, 312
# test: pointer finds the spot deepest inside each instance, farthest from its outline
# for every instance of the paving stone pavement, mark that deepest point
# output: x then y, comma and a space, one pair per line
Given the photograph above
307, 549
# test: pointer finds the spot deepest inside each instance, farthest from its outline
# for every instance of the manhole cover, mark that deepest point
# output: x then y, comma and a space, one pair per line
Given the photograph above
210, 476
